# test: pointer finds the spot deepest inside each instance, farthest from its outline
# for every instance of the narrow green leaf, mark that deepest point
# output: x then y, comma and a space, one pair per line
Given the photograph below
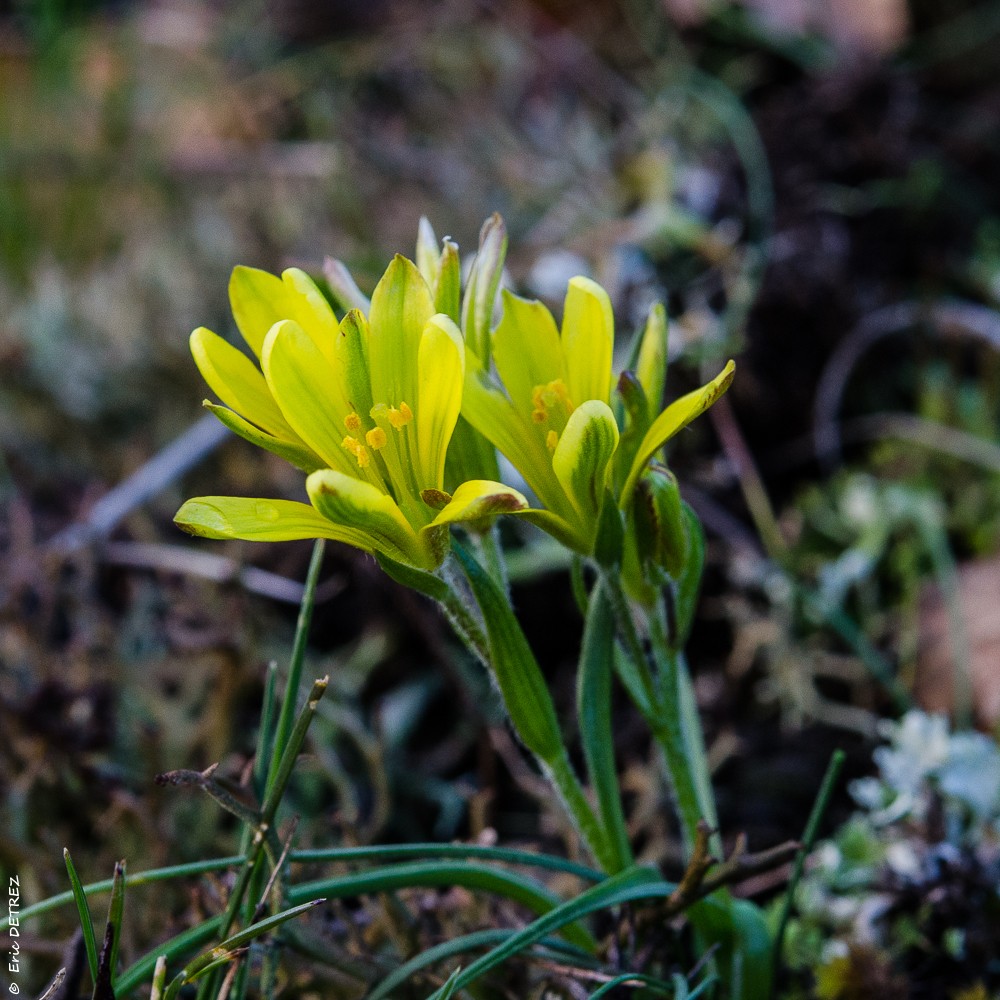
485, 878
159, 978
629, 885
593, 705
515, 668
176, 947
139, 878
689, 580
83, 910
501, 855
289, 702
658, 986
116, 911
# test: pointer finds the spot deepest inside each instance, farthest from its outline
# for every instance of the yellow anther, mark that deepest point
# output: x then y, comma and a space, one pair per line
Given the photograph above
376, 438
400, 417
358, 450
352, 422
551, 440
549, 397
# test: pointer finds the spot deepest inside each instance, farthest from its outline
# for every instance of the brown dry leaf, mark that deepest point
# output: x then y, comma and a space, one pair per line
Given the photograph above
979, 595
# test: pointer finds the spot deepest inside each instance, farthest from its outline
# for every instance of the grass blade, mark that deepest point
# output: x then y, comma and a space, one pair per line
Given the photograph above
629, 885
83, 909
593, 706
483, 878
116, 912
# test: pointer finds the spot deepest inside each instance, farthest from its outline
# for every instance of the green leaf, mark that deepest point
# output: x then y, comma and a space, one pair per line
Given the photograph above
528, 892
688, 583
518, 676
594, 716
631, 884
116, 910
83, 911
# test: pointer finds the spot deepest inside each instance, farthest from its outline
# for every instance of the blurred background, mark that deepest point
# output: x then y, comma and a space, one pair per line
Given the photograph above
811, 189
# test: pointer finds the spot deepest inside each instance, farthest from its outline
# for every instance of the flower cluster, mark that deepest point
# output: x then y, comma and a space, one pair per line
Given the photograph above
368, 406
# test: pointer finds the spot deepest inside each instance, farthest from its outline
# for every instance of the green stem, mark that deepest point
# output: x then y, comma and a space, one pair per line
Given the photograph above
288, 704
560, 773
678, 732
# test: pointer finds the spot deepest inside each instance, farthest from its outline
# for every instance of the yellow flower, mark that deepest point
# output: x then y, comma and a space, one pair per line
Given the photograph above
550, 411
366, 406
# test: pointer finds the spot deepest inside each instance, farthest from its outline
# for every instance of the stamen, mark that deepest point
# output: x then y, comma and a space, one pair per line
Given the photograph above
376, 438
400, 417
358, 450
551, 440
352, 422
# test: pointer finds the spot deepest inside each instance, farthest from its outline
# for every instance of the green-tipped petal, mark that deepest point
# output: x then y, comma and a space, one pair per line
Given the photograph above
651, 365
481, 290
428, 256
588, 336
581, 458
401, 307
256, 520
304, 385
440, 374
343, 287
347, 501
291, 450
352, 361
448, 287
526, 348
479, 499
235, 379
673, 419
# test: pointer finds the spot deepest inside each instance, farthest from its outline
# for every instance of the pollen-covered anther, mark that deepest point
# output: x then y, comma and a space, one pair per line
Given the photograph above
358, 450
551, 440
376, 438
553, 396
352, 422
399, 417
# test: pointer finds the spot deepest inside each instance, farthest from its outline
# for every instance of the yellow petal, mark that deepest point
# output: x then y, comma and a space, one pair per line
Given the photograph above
261, 521
312, 311
401, 306
305, 386
478, 499
235, 379
588, 335
291, 449
258, 300
440, 374
363, 508
526, 348
581, 458
673, 419
494, 416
